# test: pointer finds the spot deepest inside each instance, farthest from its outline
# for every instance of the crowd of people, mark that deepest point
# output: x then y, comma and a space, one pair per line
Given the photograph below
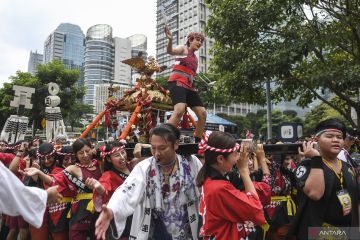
226, 191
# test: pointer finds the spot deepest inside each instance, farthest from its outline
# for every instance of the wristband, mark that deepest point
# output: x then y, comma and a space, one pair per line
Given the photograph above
316, 162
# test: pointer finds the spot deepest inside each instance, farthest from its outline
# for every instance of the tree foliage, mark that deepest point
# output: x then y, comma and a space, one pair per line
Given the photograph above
278, 118
303, 46
70, 94
257, 122
241, 122
319, 113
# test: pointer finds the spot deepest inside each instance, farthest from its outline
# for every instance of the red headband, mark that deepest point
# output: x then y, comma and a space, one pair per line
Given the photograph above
203, 146
39, 155
13, 146
104, 153
326, 130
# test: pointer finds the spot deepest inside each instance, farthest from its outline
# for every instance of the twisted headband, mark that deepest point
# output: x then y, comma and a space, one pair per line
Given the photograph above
203, 146
39, 155
104, 153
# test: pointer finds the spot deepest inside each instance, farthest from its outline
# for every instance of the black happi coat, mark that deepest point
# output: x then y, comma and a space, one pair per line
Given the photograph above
311, 213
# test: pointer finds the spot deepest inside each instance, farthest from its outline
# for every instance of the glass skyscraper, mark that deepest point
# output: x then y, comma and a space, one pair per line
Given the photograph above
103, 63
99, 60
73, 55
67, 44
183, 17
138, 44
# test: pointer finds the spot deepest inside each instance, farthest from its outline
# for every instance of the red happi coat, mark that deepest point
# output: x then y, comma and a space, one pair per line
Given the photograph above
281, 186
110, 181
65, 187
6, 158
68, 189
227, 212
187, 65
264, 192
57, 211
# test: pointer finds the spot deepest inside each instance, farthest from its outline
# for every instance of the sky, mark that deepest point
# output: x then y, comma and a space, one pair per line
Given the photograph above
25, 24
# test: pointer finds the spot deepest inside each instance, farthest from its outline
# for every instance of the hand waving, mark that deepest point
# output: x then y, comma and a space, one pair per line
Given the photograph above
103, 222
168, 33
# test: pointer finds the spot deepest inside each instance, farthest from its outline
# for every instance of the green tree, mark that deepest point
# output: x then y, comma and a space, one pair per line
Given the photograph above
278, 118
319, 113
302, 46
78, 111
162, 81
70, 93
241, 122
257, 122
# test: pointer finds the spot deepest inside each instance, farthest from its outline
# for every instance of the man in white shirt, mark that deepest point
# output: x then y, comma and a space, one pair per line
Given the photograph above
160, 193
351, 137
29, 202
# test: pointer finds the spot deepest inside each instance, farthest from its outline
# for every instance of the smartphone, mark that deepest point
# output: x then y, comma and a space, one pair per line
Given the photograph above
316, 146
246, 142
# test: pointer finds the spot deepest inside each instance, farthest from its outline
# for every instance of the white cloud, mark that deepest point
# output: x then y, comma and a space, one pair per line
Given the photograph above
26, 24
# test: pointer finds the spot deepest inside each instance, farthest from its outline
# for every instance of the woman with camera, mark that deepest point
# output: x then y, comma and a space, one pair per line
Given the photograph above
227, 212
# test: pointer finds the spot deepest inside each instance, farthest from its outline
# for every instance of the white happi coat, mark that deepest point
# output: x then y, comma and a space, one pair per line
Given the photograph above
130, 198
16, 199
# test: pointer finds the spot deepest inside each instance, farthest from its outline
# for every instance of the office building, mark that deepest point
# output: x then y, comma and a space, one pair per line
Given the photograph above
35, 59
66, 44
183, 17
103, 66
138, 46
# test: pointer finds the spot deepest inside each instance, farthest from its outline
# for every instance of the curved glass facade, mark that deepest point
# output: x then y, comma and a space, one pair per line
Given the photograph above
99, 59
73, 55
66, 43
138, 41
138, 44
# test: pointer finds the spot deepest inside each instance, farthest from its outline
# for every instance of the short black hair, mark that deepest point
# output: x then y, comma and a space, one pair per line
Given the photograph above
45, 148
334, 123
167, 131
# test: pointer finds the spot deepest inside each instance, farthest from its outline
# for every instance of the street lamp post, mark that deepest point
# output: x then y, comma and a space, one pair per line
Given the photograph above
268, 102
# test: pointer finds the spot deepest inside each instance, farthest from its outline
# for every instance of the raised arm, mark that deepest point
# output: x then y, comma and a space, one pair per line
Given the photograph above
243, 168
315, 183
260, 155
14, 165
179, 50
